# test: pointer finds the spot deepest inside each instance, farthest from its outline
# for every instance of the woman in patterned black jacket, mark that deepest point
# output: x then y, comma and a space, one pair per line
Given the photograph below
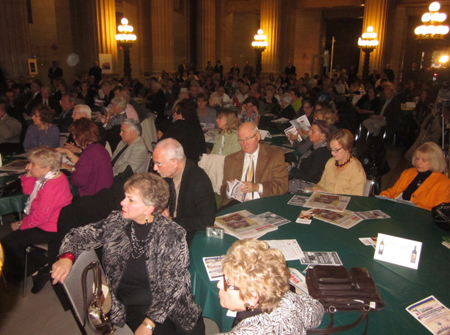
256, 285
146, 261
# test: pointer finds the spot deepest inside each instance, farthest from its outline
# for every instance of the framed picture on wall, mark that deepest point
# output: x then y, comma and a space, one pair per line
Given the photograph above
32, 67
105, 61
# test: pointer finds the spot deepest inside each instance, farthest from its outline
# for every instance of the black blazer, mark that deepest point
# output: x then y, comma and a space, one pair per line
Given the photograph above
196, 207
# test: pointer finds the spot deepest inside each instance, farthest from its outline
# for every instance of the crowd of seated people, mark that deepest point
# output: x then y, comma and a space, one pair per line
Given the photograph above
102, 114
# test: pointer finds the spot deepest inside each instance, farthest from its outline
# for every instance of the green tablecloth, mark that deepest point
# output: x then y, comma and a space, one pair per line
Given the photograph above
399, 286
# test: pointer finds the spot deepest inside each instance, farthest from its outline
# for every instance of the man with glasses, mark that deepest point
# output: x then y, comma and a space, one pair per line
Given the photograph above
192, 203
260, 168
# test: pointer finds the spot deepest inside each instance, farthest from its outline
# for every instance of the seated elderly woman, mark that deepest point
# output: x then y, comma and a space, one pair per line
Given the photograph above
146, 261
256, 285
92, 170
312, 163
49, 192
343, 173
226, 142
424, 184
249, 111
42, 131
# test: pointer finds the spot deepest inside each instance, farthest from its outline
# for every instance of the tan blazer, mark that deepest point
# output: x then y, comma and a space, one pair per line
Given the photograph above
271, 171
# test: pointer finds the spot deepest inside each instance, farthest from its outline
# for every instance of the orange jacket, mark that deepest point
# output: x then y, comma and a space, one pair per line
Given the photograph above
433, 191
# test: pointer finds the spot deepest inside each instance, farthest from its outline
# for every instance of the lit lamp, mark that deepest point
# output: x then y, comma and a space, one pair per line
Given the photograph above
431, 33
126, 38
259, 44
367, 42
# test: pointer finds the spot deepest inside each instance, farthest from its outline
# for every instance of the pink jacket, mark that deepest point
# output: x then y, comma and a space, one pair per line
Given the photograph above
48, 203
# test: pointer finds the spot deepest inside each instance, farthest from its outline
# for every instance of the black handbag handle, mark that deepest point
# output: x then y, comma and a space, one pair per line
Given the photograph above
331, 330
95, 267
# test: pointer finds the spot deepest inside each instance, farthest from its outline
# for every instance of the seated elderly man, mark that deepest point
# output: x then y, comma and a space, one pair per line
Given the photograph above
10, 130
131, 150
192, 204
261, 168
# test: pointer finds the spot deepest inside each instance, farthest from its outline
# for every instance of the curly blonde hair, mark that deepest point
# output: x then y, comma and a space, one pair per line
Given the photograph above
255, 267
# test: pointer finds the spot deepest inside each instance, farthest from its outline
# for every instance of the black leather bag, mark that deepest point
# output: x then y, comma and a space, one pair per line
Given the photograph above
340, 290
441, 215
98, 308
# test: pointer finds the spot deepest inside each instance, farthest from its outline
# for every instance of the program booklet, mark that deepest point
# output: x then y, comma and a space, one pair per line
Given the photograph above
243, 224
213, 266
372, 215
431, 313
327, 201
292, 130
320, 257
301, 123
234, 190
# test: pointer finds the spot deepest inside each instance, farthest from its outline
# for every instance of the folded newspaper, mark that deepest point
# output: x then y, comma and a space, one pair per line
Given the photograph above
243, 224
327, 201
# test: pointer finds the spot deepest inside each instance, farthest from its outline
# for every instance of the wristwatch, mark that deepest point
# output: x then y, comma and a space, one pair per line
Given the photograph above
148, 326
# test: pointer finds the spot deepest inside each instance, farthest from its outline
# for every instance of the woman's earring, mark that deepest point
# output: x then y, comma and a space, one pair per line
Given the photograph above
146, 219
248, 307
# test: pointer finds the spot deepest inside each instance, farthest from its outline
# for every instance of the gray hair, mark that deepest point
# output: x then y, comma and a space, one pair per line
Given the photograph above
134, 125
172, 148
119, 100
85, 109
286, 98
72, 98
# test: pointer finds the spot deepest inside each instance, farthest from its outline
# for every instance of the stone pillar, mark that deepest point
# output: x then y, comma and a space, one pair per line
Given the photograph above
162, 35
206, 33
14, 39
106, 30
270, 24
375, 15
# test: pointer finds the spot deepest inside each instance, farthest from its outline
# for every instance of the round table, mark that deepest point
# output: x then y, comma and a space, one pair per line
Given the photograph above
399, 286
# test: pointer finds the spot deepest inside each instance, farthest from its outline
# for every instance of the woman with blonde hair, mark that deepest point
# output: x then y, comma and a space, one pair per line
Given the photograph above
343, 173
226, 142
256, 285
424, 184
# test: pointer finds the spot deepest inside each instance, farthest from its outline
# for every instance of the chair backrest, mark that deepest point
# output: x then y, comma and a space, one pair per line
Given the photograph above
368, 188
73, 288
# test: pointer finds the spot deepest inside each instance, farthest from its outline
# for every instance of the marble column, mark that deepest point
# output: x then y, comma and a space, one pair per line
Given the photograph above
375, 15
270, 24
206, 33
14, 39
106, 30
162, 36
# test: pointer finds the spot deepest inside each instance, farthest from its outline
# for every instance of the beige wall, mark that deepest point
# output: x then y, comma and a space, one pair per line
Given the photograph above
244, 28
308, 41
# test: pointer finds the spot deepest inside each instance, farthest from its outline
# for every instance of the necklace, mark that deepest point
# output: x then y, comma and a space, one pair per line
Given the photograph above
138, 246
345, 163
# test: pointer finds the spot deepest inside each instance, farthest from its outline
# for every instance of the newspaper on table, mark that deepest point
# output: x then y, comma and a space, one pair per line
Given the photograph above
298, 280
301, 123
298, 200
18, 165
372, 215
292, 131
272, 218
320, 258
289, 248
398, 200
431, 313
327, 201
234, 190
213, 266
345, 219
241, 225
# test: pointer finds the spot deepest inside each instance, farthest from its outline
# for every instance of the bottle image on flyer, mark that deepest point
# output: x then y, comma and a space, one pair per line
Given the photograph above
414, 255
381, 248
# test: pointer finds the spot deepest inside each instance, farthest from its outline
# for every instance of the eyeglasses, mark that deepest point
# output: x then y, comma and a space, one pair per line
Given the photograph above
159, 164
307, 107
242, 140
227, 286
335, 151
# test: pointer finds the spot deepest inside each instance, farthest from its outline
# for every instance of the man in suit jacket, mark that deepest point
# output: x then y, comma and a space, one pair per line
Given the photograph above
269, 176
55, 71
387, 115
131, 150
192, 204
289, 69
33, 98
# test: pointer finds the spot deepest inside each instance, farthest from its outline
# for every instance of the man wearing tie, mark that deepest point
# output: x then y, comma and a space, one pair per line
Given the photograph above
260, 168
191, 204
